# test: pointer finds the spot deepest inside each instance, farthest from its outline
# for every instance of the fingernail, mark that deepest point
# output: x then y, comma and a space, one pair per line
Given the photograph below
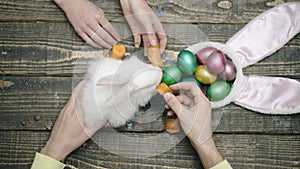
153, 43
167, 96
173, 85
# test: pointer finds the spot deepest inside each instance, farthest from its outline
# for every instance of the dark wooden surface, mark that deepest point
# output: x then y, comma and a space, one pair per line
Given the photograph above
39, 51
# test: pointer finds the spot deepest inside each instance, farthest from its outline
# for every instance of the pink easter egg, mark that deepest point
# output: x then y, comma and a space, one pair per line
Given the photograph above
203, 54
216, 62
230, 71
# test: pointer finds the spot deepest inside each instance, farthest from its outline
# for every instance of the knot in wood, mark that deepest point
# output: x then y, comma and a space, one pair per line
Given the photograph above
225, 4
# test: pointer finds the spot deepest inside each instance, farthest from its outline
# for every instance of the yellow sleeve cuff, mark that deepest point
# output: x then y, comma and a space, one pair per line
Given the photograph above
44, 162
222, 165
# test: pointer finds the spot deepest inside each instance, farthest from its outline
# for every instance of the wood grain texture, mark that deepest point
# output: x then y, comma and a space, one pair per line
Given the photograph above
242, 151
33, 103
42, 59
53, 49
178, 11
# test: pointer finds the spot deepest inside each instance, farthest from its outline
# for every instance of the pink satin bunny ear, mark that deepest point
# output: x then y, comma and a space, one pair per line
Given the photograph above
266, 33
261, 37
270, 95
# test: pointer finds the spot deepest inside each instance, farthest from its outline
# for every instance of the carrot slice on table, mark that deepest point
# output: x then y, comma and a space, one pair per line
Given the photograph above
172, 126
118, 51
154, 56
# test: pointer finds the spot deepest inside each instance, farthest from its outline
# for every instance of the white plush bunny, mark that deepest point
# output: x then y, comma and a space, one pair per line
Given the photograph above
116, 88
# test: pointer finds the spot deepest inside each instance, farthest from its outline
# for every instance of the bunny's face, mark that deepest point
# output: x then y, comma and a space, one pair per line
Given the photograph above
117, 88
134, 80
143, 84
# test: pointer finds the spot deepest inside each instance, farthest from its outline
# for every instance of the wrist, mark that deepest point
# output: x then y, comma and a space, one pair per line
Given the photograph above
64, 3
208, 153
54, 153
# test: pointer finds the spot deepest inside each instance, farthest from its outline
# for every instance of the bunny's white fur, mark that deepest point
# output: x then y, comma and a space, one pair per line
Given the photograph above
115, 89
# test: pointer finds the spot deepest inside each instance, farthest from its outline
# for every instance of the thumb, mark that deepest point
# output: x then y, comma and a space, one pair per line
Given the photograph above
173, 103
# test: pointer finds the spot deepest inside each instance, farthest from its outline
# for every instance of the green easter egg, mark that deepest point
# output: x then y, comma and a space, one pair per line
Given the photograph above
218, 90
189, 79
187, 62
171, 75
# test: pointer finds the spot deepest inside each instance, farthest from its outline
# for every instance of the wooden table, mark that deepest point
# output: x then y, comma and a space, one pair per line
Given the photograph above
38, 53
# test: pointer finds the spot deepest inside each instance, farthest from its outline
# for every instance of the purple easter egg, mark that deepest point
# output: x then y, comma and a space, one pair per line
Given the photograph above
230, 71
203, 54
216, 62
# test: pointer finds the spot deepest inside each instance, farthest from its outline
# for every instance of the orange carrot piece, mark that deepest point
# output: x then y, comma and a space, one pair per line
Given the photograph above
172, 126
118, 51
154, 56
163, 88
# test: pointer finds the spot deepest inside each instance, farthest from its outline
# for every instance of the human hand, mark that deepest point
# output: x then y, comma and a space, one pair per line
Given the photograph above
193, 110
90, 23
194, 113
69, 131
144, 24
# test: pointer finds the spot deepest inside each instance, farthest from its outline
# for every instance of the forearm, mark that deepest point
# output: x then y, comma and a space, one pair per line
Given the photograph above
208, 153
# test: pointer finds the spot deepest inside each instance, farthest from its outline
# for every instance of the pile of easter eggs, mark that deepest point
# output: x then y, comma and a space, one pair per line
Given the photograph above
209, 68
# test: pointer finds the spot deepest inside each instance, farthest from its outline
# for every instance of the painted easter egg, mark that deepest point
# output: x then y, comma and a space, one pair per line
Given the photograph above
230, 71
187, 62
216, 62
171, 75
190, 79
218, 90
203, 54
204, 76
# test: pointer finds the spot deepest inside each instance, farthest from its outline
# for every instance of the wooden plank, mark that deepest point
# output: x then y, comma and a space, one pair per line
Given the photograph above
33, 103
54, 49
37, 101
175, 11
260, 151
36, 42
17, 150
